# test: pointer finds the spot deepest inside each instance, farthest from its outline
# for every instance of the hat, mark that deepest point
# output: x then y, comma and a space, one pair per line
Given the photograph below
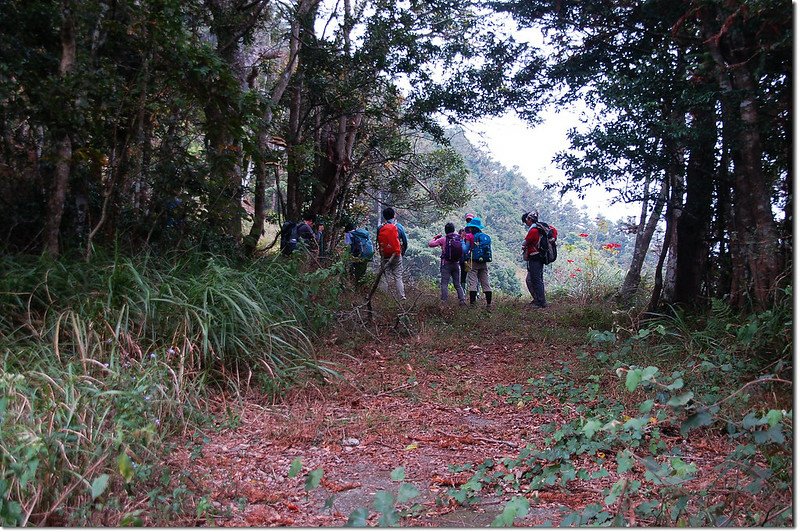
476, 223
469, 216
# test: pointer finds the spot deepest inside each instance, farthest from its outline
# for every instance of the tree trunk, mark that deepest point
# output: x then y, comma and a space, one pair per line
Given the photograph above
261, 166
755, 242
295, 168
58, 190
693, 227
644, 235
337, 142
223, 113
658, 284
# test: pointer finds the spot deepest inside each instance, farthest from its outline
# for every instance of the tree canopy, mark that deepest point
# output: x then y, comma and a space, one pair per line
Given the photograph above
160, 121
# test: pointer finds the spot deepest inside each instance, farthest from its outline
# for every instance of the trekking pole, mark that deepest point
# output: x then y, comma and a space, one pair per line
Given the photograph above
375, 287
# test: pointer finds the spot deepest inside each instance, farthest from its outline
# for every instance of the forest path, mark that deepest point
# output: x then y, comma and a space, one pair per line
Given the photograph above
424, 401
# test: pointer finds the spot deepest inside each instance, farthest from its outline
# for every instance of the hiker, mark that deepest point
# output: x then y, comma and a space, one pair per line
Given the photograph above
306, 234
480, 255
466, 238
465, 245
450, 268
392, 243
535, 264
361, 251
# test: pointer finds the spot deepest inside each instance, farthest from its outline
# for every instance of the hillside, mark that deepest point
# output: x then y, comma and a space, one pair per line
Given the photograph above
499, 196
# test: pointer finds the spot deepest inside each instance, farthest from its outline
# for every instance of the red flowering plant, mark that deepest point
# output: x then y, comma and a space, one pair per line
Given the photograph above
590, 271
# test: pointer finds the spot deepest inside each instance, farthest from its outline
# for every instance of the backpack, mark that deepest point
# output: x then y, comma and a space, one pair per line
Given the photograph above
547, 243
361, 245
288, 237
482, 252
389, 240
452, 248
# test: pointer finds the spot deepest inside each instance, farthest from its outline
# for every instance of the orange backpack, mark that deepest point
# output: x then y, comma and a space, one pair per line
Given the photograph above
389, 240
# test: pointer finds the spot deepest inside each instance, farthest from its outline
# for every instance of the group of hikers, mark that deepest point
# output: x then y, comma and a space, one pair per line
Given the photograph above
464, 258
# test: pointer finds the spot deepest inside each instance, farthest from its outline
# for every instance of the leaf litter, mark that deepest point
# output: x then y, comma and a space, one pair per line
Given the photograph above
403, 403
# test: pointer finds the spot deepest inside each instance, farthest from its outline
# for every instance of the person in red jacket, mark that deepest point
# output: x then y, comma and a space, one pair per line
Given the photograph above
392, 244
530, 249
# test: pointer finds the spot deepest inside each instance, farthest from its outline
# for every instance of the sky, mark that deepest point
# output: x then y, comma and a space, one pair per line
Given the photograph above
531, 149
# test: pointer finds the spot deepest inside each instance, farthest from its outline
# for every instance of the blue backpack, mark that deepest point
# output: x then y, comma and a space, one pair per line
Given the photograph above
482, 251
361, 244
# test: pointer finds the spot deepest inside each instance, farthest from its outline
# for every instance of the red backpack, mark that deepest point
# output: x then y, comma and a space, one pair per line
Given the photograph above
389, 240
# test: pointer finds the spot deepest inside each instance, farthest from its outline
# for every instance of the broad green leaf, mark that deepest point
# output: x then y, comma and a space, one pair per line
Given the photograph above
358, 518
649, 372
99, 485
313, 479
573, 519
635, 423
616, 491
125, 467
406, 493
680, 400
398, 473
329, 502
633, 379
682, 468
591, 427
294, 469
646, 406
750, 421
389, 519
677, 385
700, 419
647, 508
516, 507
625, 461
384, 502
774, 417
773, 434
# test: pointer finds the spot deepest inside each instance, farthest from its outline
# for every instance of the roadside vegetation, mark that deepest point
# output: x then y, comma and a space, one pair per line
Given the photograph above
104, 363
108, 366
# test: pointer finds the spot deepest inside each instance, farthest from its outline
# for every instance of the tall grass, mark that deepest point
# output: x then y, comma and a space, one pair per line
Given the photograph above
102, 362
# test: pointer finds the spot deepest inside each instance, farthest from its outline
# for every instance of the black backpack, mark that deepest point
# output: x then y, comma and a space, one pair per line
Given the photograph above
547, 243
288, 237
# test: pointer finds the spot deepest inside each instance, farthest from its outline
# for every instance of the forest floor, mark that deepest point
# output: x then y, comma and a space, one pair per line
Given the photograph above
419, 394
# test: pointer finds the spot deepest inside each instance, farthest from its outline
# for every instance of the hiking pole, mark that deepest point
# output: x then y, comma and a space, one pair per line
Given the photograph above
375, 287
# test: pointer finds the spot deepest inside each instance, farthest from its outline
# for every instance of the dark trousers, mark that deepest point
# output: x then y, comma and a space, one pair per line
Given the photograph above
357, 270
535, 281
451, 271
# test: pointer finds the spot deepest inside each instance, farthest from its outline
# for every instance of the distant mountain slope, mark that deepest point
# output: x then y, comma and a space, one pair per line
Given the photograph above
500, 197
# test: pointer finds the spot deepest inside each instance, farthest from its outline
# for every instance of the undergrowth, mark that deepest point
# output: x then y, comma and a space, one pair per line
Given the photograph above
103, 363
720, 375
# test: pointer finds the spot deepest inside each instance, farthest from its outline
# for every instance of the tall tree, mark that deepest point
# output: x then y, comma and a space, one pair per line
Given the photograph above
58, 189
622, 57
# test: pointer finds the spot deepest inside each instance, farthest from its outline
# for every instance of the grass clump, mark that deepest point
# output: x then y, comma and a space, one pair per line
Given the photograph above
103, 362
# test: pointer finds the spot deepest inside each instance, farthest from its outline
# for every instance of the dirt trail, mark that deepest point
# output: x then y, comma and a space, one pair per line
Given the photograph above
402, 403
407, 401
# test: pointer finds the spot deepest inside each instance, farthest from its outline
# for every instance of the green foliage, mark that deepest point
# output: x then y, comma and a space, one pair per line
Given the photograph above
101, 362
652, 477
387, 504
516, 507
